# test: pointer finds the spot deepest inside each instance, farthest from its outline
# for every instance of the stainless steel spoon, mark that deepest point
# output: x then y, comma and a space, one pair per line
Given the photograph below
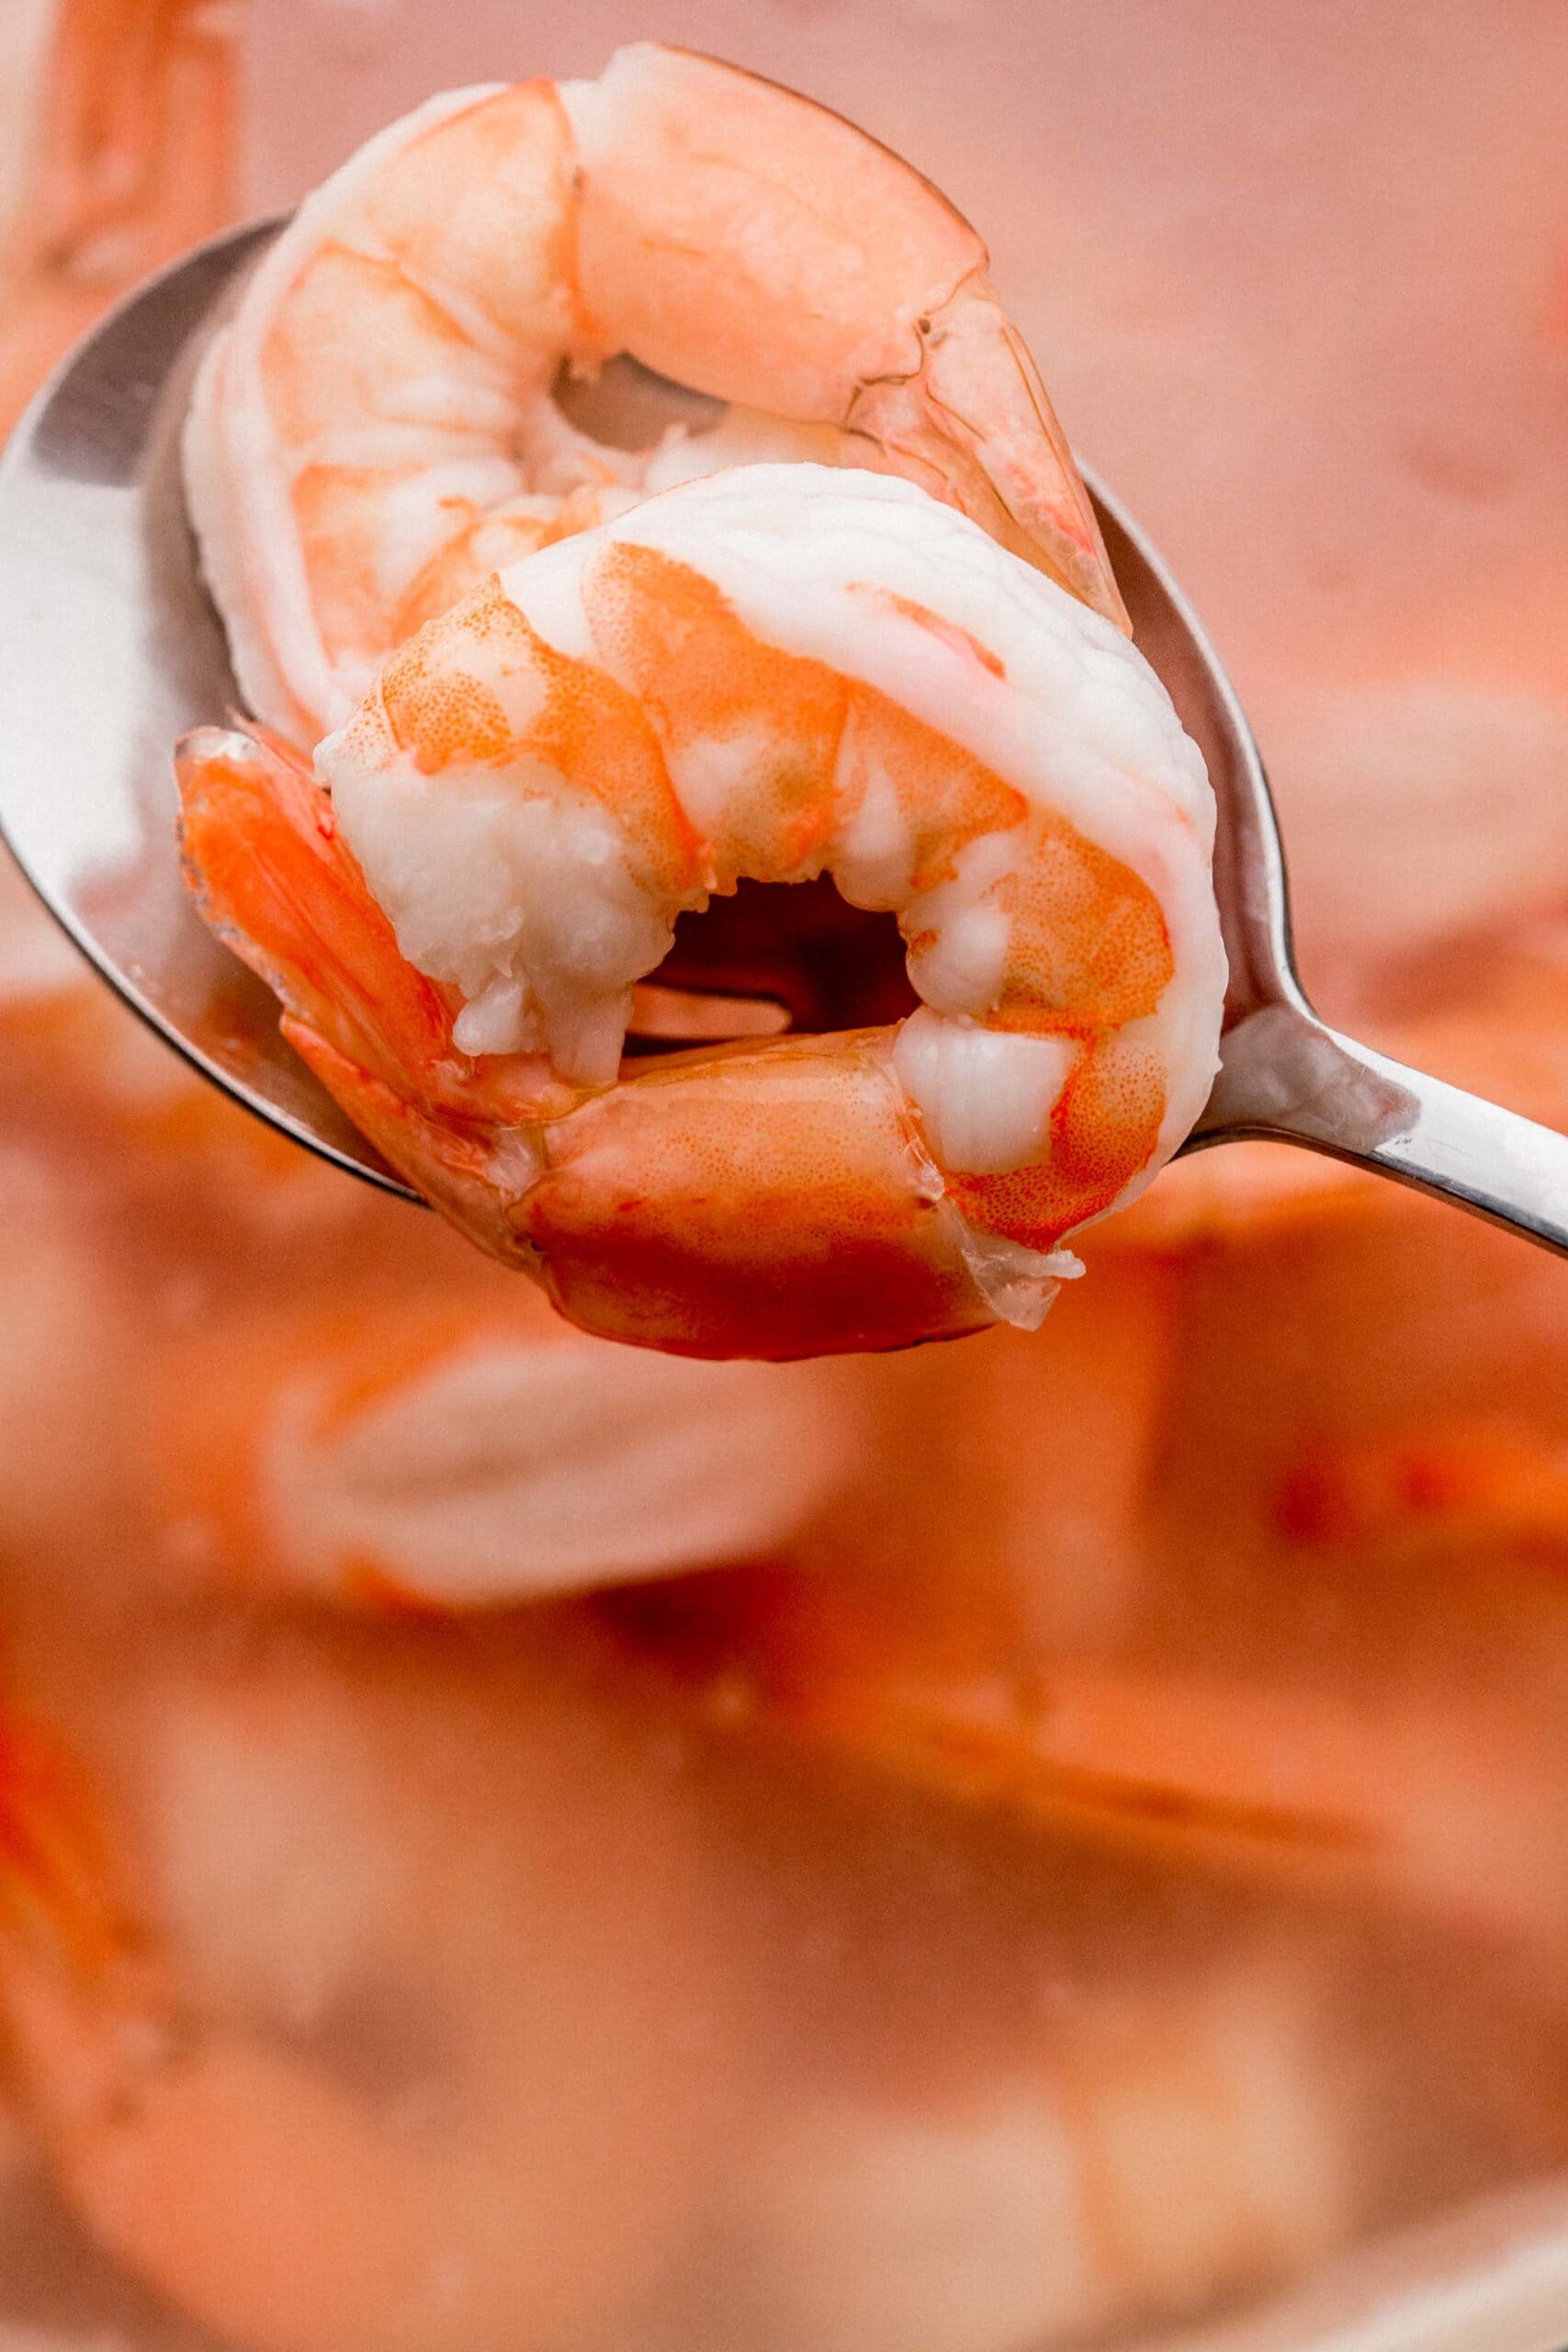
110, 649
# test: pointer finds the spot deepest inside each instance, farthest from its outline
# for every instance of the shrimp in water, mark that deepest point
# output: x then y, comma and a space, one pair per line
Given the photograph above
773, 674
375, 431
408, 1453
1041, 2206
339, 1975
133, 140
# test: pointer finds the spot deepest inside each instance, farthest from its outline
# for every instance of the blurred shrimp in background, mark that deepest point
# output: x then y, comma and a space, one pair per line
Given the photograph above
121, 149
506, 1841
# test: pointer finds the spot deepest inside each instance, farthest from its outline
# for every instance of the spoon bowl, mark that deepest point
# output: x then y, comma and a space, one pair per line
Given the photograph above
112, 648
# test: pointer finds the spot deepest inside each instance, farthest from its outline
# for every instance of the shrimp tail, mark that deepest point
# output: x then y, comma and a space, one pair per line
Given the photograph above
279, 887
851, 1255
471, 1173
975, 426
274, 878
277, 882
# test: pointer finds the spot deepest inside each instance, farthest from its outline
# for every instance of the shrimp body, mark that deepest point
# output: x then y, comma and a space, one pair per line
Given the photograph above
1256, 1780
419, 1457
375, 431
1042, 2208
771, 674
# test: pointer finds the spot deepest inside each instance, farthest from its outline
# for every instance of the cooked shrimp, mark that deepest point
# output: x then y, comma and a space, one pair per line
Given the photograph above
429, 1453
135, 160
1423, 1784
375, 433
1452, 1812
1429, 1805
773, 673
351, 1984
1170, 2149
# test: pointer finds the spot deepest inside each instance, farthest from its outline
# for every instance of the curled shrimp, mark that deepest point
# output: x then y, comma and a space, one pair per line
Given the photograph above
375, 431
773, 674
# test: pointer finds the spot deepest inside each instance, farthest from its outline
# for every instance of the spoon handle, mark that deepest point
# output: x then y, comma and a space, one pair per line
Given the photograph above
1285, 1075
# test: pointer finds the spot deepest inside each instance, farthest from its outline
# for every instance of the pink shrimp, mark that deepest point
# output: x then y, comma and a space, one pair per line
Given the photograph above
410, 1453
375, 433
135, 160
333, 2025
773, 674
